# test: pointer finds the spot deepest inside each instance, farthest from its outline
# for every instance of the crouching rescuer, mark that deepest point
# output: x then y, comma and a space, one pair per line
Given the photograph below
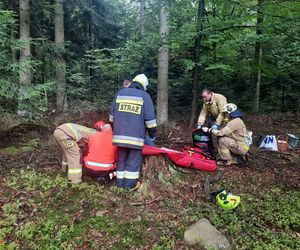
132, 112
71, 137
100, 159
233, 138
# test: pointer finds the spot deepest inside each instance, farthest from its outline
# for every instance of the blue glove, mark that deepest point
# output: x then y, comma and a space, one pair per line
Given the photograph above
215, 127
152, 139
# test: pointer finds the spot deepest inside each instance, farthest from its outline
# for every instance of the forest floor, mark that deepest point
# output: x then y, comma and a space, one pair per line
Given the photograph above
39, 210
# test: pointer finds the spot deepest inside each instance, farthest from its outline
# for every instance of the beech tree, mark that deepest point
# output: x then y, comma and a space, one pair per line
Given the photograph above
163, 66
60, 67
25, 53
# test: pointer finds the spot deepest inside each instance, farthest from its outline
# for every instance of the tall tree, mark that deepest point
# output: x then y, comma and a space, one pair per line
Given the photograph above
163, 65
196, 72
258, 56
25, 53
142, 18
60, 67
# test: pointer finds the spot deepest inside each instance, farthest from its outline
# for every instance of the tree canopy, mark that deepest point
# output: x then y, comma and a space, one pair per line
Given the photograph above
104, 44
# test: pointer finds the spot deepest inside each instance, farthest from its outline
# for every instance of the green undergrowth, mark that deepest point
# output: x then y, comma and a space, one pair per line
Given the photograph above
41, 212
26, 147
263, 220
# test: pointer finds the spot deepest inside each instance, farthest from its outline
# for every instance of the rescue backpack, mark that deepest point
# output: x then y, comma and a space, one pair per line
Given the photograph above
203, 141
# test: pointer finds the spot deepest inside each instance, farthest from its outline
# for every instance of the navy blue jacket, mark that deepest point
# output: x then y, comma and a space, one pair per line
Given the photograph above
131, 113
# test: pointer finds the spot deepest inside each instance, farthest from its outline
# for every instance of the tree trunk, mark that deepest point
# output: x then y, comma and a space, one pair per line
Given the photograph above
201, 13
60, 67
25, 75
11, 7
163, 66
142, 18
25, 54
258, 57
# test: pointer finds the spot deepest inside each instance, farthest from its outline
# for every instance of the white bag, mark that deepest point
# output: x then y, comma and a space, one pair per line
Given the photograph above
269, 142
249, 138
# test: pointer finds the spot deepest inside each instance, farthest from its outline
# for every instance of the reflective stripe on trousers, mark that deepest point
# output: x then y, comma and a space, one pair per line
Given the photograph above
129, 163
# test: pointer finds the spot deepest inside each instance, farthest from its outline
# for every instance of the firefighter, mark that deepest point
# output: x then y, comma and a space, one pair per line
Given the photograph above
100, 159
132, 112
233, 138
71, 137
126, 83
213, 103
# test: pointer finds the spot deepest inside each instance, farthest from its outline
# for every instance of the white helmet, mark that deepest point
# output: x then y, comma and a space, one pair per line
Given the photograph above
229, 108
142, 79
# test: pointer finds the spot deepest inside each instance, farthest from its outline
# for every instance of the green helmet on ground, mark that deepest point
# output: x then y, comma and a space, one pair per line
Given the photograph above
227, 200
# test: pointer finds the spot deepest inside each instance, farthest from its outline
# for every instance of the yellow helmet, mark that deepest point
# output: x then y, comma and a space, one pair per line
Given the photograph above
227, 200
142, 79
229, 108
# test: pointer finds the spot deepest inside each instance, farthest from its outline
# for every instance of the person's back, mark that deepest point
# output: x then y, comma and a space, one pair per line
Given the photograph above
133, 113
238, 130
77, 132
101, 152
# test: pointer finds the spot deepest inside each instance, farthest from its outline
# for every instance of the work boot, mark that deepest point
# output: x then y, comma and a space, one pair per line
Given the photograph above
224, 163
243, 160
64, 167
103, 179
137, 188
73, 183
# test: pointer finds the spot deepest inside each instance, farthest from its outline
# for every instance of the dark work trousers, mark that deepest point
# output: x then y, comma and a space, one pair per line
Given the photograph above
129, 162
94, 173
210, 121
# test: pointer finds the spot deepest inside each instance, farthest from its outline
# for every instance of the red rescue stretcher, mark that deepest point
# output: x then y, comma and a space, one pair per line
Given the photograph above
190, 157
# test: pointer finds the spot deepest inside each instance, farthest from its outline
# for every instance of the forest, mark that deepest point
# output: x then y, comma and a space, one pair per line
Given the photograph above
64, 60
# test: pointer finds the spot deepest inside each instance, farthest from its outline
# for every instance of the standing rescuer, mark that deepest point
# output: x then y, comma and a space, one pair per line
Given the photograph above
71, 137
213, 104
233, 138
132, 112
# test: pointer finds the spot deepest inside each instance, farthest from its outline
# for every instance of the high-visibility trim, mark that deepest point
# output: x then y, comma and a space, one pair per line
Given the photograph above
151, 123
244, 145
131, 175
224, 150
75, 129
128, 140
130, 99
74, 170
120, 174
98, 164
130, 108
111, 118
76, 134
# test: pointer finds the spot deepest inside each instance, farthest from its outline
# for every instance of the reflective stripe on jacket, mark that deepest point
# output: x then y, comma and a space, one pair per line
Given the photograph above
101, 152
132, 112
